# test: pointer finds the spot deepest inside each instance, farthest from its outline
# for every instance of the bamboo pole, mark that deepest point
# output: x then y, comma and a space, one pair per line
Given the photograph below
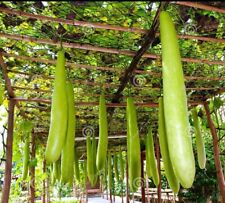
100, 49
216, 153
100, 25
9, 154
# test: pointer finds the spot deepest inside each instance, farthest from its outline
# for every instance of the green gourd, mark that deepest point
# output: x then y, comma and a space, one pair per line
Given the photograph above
175, 104
58, 122
121, 164
90, 161
172, 179
94, 150
57, 169
199, 140
26, 157
103, 134
115, 164
134, 151
67, 168
150, 158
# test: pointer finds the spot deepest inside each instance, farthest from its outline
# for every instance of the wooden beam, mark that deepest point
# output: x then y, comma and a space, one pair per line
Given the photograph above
144, 104
99, 25
86, 66
138, 97
9, 154
200, 6
216, 153
100, 49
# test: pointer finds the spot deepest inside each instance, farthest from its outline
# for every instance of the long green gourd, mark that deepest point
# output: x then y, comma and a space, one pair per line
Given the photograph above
90, 161
134, 151
121, 164
94, 150
199, 140
175, 105
85, 174
115, 164
150, 156
76, 166
172, 179
103, 134
26, 157
26, 126
57, 169
67, 168
58, 122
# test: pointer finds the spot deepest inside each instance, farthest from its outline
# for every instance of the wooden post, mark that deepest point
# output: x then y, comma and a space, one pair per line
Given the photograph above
159, 170
142, 178
127, 182
32, 171
147, 186
216, 153
107, 194
44, 183
110, 195
48, 189
9, 154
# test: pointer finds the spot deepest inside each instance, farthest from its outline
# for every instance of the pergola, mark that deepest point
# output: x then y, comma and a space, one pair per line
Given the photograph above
93, 66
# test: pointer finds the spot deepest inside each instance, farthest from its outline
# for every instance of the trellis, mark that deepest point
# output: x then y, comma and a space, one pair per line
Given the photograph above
150, 35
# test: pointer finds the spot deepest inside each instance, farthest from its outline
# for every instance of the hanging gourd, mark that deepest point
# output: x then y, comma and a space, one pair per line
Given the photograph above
175, 105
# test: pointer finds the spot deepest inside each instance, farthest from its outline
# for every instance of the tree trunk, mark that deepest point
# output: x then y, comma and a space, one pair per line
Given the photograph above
216, 152
9, 154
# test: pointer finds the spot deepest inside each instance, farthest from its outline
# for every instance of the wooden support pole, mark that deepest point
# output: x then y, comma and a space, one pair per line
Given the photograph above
32, 171
110, 195
9, 154
159, 170
107, 194
216, 153
44, 183
147, 187
142, 178
127, 182
48, 188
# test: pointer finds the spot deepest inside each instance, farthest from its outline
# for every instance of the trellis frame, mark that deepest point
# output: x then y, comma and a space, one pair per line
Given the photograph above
13, 100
